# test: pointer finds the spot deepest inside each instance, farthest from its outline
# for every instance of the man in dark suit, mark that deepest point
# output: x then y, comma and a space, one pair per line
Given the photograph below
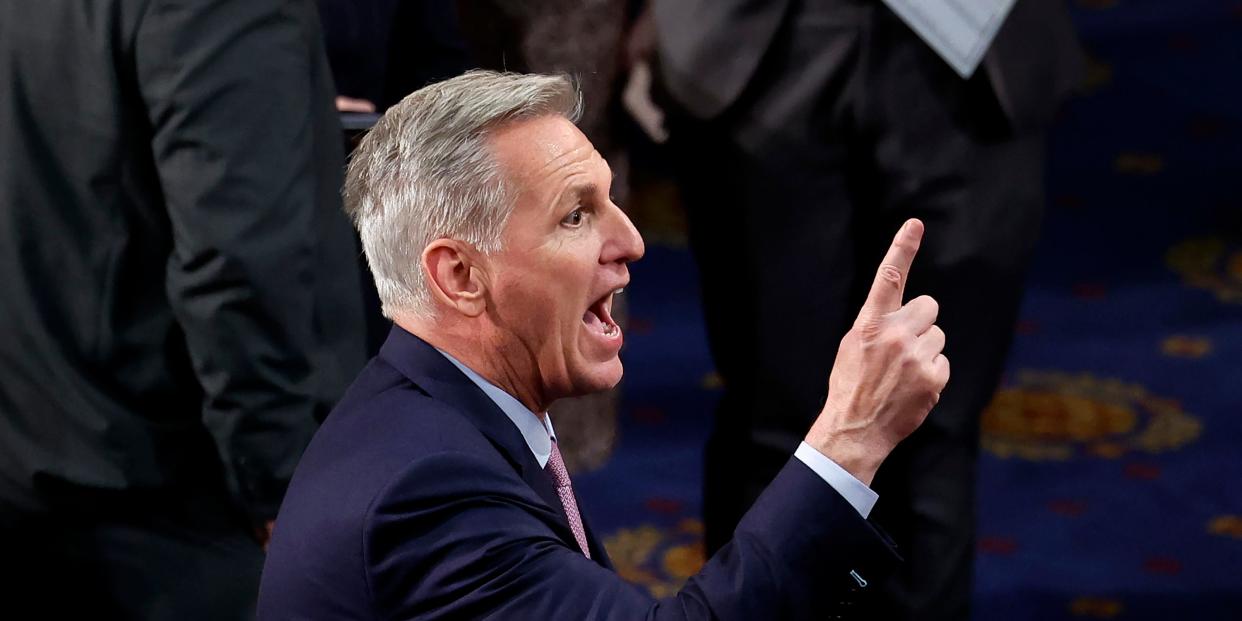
803, 130
436, 488
179, 300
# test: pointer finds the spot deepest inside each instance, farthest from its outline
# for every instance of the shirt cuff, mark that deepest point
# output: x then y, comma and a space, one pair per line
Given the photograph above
861, 497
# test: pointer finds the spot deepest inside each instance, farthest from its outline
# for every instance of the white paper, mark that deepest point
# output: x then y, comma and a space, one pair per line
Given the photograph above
960, 31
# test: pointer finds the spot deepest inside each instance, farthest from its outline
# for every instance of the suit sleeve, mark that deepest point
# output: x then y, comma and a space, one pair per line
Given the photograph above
228, 89
457, 537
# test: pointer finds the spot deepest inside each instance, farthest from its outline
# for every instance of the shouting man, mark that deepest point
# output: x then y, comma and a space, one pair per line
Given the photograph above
436, 488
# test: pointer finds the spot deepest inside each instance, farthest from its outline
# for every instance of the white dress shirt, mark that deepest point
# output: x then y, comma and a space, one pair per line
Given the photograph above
538, 433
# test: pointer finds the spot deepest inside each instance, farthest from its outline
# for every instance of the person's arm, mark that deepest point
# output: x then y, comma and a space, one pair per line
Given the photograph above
459, 535
227, 85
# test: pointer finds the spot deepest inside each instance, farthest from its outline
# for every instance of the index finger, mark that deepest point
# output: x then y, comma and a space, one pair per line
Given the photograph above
890, 280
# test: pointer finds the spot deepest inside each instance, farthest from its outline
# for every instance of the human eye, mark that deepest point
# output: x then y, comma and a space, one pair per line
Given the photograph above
574, 218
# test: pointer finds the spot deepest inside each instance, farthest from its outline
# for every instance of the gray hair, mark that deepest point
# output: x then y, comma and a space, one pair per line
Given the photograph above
425, 172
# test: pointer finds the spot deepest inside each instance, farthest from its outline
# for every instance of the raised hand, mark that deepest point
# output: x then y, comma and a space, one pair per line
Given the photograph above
889, 370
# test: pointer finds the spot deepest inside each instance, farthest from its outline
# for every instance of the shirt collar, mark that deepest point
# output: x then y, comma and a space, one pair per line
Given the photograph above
537, 431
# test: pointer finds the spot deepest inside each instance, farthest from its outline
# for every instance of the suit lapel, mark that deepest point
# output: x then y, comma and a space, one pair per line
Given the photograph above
431, 371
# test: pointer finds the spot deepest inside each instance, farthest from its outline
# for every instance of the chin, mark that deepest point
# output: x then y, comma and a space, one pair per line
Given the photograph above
599, 377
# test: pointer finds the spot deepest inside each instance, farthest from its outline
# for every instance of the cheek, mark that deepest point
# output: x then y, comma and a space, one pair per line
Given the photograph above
544, 310
524, 311
548, 300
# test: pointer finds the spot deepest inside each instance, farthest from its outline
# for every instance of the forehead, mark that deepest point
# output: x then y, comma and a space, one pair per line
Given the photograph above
535, 152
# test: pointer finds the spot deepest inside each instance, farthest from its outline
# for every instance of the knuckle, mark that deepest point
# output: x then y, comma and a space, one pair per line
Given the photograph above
866, 347
890, 274
893, 340
868, 327
924, 304
939, 370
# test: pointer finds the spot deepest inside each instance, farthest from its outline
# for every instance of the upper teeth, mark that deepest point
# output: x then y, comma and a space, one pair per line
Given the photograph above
618, 291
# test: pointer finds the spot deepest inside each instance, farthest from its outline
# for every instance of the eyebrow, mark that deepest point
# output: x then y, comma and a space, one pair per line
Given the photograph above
590, 186
578, 190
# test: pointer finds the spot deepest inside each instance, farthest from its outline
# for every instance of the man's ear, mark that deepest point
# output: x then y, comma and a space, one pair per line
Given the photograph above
455, 277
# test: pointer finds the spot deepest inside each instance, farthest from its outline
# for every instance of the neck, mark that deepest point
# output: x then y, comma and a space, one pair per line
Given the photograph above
472, 346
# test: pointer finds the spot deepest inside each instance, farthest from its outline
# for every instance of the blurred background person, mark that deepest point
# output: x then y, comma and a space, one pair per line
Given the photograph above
803, 129
181, 303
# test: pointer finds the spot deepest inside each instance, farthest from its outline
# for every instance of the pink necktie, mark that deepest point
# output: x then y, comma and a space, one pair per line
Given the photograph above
560, 478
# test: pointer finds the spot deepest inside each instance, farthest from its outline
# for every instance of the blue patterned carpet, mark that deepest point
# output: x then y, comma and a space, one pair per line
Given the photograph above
1111, 479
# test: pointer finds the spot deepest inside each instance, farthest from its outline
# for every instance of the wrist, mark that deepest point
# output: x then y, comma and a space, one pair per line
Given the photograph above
855, 457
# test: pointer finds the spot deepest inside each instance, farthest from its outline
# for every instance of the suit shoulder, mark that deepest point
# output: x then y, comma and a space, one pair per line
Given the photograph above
384, 407
385, 431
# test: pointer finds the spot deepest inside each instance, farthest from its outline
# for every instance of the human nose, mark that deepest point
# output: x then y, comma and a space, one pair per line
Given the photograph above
623, 244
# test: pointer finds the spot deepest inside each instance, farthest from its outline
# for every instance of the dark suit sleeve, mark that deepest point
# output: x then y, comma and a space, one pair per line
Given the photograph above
457, 537
230, 95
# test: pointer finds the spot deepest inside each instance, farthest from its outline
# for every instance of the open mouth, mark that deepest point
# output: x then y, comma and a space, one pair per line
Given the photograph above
598, 316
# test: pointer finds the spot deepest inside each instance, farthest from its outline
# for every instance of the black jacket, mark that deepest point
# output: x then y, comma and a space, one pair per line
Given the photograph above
180, 288
710, 49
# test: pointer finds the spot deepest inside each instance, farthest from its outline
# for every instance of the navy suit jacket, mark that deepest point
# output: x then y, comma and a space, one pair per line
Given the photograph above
419, 499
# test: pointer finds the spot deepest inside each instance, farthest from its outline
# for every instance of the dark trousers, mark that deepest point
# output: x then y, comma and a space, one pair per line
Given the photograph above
851, 126
172, 556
